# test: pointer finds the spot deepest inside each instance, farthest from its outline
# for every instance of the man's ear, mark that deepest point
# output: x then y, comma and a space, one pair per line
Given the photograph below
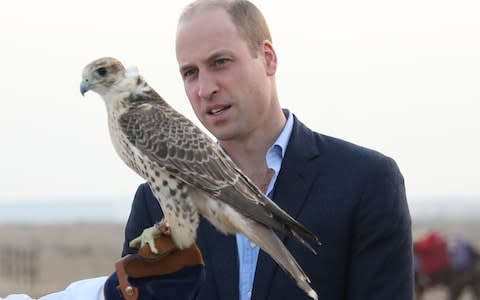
270, 58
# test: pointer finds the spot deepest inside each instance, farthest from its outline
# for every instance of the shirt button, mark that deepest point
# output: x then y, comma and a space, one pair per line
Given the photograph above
249, 294
252, 244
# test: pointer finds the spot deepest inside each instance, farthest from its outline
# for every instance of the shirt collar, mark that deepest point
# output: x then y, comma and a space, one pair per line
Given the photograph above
281, 142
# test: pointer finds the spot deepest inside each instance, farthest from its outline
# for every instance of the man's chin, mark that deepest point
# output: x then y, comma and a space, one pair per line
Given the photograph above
223, 134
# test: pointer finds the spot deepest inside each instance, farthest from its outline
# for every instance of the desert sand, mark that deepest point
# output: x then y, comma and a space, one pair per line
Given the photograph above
38, 259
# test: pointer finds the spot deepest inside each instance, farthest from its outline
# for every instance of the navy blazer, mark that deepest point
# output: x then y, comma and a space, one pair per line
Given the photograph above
351, 197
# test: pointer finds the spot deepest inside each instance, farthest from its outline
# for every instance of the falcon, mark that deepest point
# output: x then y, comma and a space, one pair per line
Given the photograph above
188, 172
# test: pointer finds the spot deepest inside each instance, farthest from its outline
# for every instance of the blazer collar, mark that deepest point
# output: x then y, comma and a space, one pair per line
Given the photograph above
291, 190
295, 175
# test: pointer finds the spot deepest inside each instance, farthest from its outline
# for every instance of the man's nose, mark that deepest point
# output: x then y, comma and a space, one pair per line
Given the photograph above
207, 85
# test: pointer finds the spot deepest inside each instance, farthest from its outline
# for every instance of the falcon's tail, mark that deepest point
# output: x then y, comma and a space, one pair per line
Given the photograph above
270, 243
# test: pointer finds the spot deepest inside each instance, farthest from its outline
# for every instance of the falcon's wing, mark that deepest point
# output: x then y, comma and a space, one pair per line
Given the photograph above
178, 146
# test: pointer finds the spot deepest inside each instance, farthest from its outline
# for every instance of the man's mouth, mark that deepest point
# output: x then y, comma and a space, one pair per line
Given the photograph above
218, 110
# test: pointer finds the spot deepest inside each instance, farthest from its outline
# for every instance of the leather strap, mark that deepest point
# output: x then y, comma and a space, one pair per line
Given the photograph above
128, 291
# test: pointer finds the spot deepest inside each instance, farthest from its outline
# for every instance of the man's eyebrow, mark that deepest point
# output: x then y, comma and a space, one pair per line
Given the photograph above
184, 68
211, 57
218, 53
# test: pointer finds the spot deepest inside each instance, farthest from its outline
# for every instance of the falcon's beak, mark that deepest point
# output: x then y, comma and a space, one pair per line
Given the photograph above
85, 86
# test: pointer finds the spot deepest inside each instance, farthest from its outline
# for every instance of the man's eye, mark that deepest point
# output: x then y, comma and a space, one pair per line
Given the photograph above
102, 71
221, 62
188, 73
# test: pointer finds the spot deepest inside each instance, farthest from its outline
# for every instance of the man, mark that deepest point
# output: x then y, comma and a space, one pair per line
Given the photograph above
351, 197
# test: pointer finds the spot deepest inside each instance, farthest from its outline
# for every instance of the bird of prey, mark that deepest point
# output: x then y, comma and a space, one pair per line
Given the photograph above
188, 172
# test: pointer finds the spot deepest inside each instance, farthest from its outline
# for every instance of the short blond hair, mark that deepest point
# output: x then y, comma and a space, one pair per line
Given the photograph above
247, 18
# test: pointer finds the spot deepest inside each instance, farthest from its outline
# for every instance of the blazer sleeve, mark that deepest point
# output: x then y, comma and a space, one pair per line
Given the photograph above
381, 245
144, 213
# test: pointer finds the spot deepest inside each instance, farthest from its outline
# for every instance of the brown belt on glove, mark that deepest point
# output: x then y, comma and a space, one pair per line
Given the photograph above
146, 263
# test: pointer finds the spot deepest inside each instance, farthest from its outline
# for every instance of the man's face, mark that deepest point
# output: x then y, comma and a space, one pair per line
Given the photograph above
229, 89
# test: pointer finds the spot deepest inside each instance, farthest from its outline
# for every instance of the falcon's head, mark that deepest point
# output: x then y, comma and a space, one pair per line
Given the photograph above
101, 74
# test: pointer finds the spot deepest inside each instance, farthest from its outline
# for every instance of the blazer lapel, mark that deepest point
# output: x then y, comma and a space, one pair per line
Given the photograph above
291, 189
297, 172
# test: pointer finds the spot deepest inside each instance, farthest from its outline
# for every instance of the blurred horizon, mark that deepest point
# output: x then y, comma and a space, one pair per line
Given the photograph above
116, 209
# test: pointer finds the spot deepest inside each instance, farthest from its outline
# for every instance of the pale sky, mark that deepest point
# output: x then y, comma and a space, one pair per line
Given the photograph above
401, 77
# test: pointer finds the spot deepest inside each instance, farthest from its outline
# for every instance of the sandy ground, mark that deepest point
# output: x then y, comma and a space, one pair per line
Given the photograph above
40, 259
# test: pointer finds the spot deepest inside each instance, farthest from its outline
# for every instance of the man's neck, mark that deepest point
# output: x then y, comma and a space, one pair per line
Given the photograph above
249, 152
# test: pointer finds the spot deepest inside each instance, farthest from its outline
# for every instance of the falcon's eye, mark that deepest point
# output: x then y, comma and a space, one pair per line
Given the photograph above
102, 71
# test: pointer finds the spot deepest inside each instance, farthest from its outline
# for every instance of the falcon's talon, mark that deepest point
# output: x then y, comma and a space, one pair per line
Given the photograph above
147, 237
